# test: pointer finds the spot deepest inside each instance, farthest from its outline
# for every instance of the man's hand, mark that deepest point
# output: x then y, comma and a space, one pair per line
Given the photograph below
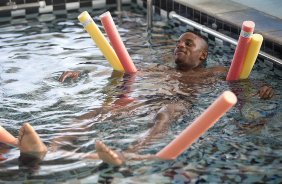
72, 74
265, 92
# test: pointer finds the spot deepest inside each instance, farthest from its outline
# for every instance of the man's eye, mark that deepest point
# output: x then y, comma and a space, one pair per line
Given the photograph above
188, 43
177, 42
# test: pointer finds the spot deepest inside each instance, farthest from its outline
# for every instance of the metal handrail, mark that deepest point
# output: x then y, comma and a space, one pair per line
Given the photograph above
119, 3
149, 14
219, 35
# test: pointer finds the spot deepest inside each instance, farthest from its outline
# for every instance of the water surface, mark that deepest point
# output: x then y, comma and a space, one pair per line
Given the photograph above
243, 147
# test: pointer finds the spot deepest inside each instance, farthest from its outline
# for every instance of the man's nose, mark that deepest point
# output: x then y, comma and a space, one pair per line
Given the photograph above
180, 44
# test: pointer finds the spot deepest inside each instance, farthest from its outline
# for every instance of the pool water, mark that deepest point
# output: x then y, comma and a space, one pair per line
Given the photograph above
243, 147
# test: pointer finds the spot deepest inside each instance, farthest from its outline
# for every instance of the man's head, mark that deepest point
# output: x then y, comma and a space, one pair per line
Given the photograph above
191, 51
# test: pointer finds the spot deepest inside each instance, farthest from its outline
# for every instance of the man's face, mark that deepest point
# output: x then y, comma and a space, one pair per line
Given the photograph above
188, 51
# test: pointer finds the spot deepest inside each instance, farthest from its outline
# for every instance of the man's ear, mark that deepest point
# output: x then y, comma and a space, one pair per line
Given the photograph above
204, 55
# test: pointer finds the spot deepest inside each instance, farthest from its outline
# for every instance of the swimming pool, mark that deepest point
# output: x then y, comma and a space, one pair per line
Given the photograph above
37, 51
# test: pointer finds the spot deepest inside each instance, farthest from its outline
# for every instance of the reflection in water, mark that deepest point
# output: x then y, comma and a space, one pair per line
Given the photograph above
117, 96
29, 163
118, 108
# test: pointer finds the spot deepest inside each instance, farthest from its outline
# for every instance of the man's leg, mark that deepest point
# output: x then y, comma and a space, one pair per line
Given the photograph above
161, 124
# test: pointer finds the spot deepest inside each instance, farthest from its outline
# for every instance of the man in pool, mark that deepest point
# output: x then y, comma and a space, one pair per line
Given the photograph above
190, 53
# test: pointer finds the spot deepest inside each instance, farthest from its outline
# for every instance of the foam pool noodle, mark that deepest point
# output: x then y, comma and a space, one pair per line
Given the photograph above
251, 56
7, 138
206, 120
241, 50
100, 40
117, 43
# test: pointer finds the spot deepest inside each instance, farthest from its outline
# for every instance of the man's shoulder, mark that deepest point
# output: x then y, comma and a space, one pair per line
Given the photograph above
157, 68
217, 69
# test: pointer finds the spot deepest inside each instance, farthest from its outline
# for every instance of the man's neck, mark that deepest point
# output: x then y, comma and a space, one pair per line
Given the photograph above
189, 69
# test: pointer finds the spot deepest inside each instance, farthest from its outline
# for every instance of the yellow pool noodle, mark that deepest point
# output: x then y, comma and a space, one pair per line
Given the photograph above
251, 56
100, 40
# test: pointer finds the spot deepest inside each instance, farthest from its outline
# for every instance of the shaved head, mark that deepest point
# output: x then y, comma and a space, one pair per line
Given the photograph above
191, 51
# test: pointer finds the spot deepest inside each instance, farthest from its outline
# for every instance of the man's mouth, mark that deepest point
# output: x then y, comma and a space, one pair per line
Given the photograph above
179, 52
178, 62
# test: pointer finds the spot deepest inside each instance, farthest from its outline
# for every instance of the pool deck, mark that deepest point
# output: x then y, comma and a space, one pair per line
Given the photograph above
267, 15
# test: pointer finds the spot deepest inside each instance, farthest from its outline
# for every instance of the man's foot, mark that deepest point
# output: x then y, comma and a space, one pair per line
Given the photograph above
7, 138
108, 155
30, 142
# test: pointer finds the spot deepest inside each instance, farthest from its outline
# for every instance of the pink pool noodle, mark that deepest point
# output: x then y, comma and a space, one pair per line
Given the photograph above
206, 120
7, 138
241, 50
117, 43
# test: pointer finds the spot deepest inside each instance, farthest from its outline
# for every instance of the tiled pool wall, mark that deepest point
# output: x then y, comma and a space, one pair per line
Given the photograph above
15, 9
